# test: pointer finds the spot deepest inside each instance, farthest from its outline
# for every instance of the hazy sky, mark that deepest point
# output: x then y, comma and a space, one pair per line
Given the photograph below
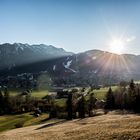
75, 25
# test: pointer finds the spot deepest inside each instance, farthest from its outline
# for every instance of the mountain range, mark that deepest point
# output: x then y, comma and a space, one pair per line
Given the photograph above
89, 66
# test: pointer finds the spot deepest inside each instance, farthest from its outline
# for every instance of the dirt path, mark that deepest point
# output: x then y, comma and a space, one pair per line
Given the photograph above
104, 127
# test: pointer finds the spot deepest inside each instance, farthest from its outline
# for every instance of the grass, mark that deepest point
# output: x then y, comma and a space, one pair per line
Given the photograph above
39, 94
111, 126
100, 94
61, 102
36, 93
8, 122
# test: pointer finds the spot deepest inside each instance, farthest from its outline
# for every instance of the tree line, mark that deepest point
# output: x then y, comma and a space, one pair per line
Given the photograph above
79, 104
125, 97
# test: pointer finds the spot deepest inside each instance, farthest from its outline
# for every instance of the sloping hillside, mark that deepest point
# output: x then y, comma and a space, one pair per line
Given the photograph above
24, 58
94, 67
17, 54
104, 127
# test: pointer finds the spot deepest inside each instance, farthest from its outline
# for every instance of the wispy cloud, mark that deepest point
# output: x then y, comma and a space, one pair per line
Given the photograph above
130, 39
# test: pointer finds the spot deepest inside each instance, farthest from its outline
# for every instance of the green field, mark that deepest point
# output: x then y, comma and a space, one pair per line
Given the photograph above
36, 93
100, 94
8, 122
39, 94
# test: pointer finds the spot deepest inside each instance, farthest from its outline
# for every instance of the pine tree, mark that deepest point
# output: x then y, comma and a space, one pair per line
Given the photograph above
110, 100
69, 106
1, 103
132, 95
82, 107
91, 104
6, 101
28, 102
137, 105
53, 111
132, 85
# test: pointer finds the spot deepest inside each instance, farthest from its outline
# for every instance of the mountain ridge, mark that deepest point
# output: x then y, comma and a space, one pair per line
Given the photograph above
93, 66
42, 44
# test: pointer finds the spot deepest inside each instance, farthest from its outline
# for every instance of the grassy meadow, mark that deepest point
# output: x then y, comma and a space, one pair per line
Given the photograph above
8, 122
111, 126
100, 94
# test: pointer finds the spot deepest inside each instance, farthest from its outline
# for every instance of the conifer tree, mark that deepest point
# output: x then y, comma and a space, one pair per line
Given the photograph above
82, 107
69, 106
1, 102
91, 104
110, 100
6, 101
132, 85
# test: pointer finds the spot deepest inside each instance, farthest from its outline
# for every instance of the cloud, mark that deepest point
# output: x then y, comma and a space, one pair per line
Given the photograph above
130, 39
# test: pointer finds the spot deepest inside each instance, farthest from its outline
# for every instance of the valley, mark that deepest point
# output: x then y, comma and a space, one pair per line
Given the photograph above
69, 70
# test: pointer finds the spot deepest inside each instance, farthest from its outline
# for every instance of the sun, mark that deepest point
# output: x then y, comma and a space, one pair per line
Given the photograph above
117, 46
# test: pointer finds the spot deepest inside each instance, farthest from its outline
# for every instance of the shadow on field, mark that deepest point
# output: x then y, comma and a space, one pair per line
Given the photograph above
45, 120
51, 124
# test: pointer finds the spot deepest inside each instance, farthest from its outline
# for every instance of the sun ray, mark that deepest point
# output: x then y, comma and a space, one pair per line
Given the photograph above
116, 46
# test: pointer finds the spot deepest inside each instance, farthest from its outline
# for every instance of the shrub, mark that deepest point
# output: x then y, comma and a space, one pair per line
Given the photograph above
19, 124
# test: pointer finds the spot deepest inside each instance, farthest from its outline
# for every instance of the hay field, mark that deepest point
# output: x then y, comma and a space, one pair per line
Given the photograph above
112, 126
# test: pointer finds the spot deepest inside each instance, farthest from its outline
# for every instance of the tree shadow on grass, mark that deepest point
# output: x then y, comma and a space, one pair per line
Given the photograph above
44, 120
51, 124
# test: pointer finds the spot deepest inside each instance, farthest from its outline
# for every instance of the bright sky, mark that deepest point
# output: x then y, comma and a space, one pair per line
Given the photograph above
75, 25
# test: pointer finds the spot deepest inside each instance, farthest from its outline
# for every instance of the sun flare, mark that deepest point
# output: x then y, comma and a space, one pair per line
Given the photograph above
116, 46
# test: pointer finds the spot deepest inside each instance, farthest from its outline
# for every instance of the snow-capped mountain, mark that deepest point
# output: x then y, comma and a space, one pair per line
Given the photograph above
92, 66
12, 55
